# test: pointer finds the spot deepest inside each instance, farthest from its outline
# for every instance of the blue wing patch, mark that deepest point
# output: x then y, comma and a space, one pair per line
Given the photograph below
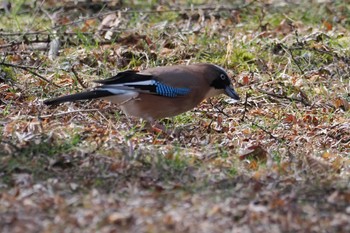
149, 86
168, 91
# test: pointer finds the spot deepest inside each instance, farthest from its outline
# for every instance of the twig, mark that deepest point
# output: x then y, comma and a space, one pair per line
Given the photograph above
52, 17
295, 61
23, 42
322, 51
19, 66
297, 36
209, 126
43, 33
49, 40
301, 100
245, 105
290, 52
10, 144
28, 69
268, 132
69, 112
77, 78
220, 110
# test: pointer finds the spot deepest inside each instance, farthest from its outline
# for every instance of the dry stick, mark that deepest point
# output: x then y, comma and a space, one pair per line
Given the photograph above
43, 33
301, 100
281, 140
9, 143
295, 61
28, 69
296, 35
268, 132
287, 49
245, 105
256, 125
23, 42
102, 42
77, 77
332, 53
220, 110
65, 113
20, 66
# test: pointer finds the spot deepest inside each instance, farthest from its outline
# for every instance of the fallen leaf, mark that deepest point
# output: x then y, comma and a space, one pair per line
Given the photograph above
120, 218
289, 118
341, 103
255, 152
327, 25
245, 80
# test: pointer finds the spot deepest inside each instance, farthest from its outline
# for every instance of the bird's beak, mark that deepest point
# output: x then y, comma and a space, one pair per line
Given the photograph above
231, 92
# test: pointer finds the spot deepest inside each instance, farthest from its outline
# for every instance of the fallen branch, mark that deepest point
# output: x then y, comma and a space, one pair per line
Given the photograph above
288, 50
268, 132
3, 34
69, 112
245, 105
24, 41
220, 110
77, 78
29, 69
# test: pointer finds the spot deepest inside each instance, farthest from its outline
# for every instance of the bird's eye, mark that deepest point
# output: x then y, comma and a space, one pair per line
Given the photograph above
222, 76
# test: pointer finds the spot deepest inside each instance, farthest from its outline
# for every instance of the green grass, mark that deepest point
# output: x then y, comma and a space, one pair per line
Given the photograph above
104, 163
37, 159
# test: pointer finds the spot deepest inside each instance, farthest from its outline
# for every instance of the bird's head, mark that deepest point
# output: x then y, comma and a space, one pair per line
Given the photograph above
221, 83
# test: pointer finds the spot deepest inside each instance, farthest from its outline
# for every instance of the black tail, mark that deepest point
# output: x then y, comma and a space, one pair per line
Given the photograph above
79, 96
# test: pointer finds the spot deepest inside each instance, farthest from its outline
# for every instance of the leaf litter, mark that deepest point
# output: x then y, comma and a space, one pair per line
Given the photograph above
276, 162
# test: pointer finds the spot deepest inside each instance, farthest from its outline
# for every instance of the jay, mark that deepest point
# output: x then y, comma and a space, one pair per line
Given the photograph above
159, 92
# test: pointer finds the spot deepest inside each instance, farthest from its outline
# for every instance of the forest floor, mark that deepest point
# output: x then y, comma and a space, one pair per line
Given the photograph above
277, 161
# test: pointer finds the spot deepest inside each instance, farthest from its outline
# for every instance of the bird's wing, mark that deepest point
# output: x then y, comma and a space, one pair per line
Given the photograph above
125, 77
143, 83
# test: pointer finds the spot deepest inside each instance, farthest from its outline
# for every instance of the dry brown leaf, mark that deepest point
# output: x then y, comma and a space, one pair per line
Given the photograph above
169, 220
289, 118
254, 154
337, 163
214, 210
252, 165
341, 103
277, 203
327, 25
311, 120
318, 165
245, 80
119, 218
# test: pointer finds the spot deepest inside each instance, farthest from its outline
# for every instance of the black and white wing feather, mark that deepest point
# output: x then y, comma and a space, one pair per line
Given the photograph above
145, 83
125, 83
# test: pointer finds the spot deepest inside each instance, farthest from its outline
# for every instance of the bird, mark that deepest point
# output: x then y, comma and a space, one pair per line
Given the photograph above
159, 92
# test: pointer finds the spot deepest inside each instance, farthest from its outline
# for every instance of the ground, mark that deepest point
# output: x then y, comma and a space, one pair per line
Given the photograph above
277, 161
